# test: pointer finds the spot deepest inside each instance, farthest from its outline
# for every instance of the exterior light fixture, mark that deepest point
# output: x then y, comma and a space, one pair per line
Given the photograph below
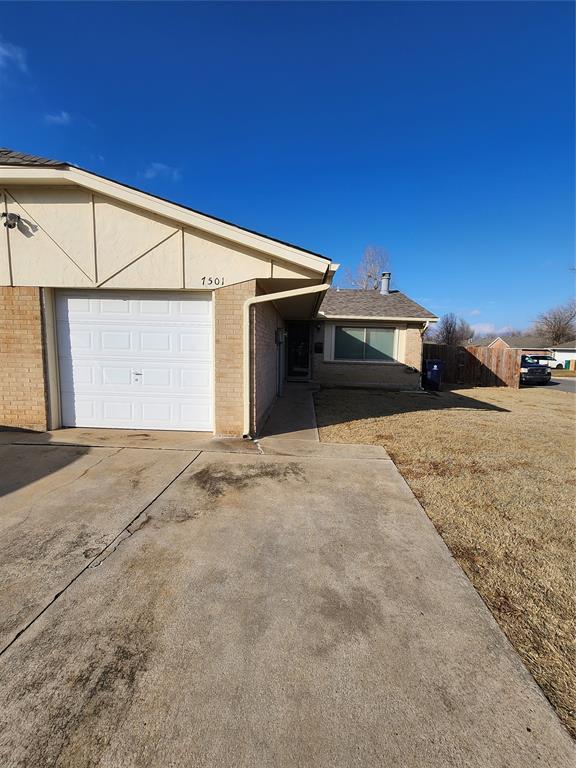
12, 220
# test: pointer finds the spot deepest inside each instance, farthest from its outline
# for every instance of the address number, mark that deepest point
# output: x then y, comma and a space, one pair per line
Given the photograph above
212, 281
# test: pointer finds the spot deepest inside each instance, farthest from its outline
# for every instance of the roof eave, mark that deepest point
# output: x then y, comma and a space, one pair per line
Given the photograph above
165, 208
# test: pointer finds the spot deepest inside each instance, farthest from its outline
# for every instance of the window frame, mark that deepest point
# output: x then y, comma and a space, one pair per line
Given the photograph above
330, 342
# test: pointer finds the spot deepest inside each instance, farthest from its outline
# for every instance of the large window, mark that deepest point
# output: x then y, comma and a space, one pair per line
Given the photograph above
353, 343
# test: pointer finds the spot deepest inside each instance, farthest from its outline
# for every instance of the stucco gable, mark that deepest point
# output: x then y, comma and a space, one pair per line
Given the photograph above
68, 236
128, 224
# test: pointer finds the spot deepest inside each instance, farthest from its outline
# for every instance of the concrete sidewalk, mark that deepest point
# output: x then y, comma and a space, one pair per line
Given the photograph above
260, 610
293, 416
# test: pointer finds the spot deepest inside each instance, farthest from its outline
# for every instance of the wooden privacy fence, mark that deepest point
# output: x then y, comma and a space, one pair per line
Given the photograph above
477, 366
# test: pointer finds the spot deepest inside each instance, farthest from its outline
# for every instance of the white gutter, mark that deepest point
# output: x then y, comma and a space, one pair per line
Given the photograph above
246, 333
378, 318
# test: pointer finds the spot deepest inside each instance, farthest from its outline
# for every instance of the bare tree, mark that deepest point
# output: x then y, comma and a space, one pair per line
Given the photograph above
374, 261
557, 324
452, 330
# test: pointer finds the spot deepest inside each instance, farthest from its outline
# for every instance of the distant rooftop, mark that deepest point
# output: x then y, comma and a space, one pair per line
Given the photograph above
353, 303
565, 345
515, 342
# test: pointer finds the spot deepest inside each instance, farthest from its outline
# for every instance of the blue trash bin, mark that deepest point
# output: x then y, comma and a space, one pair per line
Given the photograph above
433, 374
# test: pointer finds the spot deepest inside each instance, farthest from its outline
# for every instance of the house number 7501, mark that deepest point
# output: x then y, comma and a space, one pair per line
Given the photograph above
212, 281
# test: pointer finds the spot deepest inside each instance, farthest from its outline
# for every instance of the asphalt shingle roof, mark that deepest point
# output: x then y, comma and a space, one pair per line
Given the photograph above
525, 342
10, 157
352, 303
566, 345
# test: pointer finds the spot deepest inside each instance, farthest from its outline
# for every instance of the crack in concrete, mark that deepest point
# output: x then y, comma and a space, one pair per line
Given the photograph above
136, 525
124, 534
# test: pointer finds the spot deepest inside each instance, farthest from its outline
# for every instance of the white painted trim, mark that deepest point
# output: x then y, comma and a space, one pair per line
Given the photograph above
51, 358
213, 310
177, 213
329, 336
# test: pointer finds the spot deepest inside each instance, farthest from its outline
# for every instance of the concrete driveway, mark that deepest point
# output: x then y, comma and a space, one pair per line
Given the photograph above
278, 604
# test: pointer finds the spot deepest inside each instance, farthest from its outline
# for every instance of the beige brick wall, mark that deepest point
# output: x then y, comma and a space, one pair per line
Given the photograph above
228, 386
264, 355
389, 375
228, 351
22, 382
413, 353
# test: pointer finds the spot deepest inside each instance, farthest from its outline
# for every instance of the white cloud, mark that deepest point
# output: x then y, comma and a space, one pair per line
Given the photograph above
489, 329
156, 170
12, 55
58, 118
483, 329
475, 312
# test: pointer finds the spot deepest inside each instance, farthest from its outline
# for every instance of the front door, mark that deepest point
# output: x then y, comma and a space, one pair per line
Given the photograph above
298, 352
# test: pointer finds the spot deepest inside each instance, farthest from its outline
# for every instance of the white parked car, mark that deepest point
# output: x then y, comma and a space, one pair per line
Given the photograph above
548, 360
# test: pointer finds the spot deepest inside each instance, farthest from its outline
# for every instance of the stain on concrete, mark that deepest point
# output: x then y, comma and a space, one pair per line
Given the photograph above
92, 693
135, 476
218, 479
346, 616
171, 511
30, 546
91, 552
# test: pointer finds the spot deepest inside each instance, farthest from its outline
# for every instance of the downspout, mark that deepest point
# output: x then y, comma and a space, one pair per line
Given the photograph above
246, 340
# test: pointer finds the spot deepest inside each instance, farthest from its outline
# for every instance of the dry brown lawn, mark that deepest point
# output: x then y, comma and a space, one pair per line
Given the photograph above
494, 470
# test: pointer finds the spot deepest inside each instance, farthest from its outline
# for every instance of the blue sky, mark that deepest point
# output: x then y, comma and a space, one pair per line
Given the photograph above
442, 132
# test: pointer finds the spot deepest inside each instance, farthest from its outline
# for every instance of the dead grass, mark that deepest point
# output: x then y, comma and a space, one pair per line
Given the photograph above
563, 373
494, 470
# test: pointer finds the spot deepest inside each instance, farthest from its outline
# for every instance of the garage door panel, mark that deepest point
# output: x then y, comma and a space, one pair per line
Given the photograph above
147, 341
133, 361
158, 413
95, 378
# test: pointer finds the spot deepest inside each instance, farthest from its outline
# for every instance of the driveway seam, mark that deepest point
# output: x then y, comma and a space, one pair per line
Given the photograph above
120, 535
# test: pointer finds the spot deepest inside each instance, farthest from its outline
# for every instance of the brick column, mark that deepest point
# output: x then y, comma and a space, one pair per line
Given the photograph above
22, 380
228, 356
413, 355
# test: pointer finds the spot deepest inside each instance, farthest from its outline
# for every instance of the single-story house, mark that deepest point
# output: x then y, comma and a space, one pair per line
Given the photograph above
369, 338
565, 352
527, 344
122, 309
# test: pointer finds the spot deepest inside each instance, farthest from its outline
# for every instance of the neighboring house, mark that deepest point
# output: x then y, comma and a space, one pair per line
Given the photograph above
121, 309
528, 344
564, 352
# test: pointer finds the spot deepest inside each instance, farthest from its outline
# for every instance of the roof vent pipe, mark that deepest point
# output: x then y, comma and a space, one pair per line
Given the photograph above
385, 285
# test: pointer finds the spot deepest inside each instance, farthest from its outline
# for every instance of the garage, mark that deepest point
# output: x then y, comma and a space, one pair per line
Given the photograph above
135, 360
119, 309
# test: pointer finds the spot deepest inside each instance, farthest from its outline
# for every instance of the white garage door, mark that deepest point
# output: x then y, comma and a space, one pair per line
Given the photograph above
135, 360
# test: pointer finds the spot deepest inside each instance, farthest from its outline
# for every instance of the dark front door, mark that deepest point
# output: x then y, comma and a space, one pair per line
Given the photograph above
298, 351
